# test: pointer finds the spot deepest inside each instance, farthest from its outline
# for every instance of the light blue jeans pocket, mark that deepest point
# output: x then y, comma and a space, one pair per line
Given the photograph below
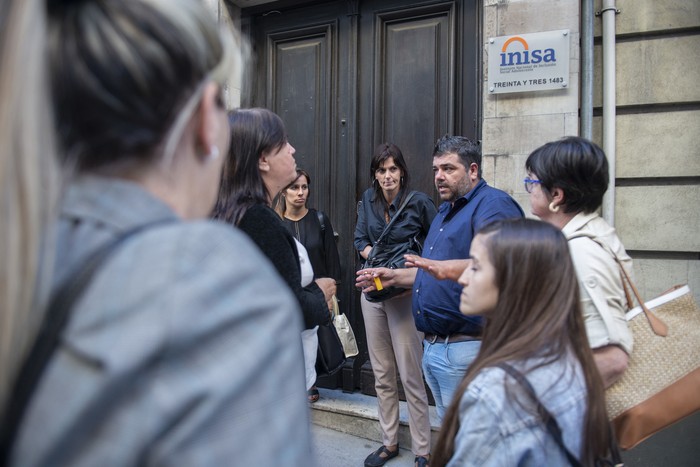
444, 366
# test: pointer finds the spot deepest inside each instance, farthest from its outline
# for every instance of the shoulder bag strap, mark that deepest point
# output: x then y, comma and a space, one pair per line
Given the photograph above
396, 216
657, 325
599, 301
548, 419
553, 426
47, 340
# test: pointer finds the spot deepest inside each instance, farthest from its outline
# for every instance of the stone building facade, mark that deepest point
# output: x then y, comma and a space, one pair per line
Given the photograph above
654, 199
657, 142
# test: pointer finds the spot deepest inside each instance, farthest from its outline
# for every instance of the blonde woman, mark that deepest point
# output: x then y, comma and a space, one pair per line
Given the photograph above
172, 355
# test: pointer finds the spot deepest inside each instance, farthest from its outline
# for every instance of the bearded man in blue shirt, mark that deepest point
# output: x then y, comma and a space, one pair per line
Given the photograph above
451, 340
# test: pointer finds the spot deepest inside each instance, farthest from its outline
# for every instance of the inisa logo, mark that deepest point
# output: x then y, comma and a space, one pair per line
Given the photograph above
526, 57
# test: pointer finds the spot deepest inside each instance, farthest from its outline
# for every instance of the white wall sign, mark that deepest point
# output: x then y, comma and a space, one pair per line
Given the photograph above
529, 62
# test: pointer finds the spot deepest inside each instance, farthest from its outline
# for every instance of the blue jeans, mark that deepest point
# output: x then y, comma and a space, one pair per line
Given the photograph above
444, 366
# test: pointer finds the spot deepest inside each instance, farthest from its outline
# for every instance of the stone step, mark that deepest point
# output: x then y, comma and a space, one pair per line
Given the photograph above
357, 414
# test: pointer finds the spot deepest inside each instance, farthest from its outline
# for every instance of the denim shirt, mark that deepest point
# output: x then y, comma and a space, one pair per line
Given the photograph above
436, 302
495, 429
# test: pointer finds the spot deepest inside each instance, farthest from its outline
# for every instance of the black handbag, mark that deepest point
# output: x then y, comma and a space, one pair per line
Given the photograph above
390, 256
331, 355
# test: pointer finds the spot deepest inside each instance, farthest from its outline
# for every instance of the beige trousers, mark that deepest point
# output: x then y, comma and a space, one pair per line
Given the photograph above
394, 346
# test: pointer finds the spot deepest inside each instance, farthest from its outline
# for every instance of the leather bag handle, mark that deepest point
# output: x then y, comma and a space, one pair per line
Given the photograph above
657, 325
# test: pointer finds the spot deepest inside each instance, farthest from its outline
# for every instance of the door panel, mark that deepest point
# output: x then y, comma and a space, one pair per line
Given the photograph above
300, 92
412, 67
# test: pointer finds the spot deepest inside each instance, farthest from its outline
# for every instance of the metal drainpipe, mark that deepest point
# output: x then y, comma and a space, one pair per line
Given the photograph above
587, 68
608, 13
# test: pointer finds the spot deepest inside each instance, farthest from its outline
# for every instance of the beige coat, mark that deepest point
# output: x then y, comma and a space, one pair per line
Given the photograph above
602, 294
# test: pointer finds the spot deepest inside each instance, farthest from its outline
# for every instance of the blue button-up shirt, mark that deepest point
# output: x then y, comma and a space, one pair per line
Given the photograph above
436, 302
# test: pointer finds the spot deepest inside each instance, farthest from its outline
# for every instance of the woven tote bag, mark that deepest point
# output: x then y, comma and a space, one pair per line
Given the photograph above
662, 383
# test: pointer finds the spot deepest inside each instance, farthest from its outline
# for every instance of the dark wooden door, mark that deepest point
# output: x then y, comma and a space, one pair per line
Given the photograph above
347, 75
407, 72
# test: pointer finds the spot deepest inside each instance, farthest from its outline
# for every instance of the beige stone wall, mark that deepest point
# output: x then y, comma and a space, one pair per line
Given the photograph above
657, 208
228, 16
657, 205
515, 124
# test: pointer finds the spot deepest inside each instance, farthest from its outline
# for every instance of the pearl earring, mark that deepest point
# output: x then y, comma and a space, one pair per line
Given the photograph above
214, 153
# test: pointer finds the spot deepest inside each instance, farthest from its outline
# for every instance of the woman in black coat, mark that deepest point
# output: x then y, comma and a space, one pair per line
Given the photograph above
259, 164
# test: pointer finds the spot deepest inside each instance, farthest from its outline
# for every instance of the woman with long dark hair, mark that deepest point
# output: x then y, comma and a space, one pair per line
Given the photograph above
394, 343
259, 164
311, 227
522, 280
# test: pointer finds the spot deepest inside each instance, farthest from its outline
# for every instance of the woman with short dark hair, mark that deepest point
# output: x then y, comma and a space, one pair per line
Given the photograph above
566, 182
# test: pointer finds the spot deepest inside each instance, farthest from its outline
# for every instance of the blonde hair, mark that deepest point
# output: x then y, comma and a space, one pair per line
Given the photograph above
127, 76
103, 85
28, 181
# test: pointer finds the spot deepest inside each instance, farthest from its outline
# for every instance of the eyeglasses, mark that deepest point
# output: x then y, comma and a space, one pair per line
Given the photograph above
529, 182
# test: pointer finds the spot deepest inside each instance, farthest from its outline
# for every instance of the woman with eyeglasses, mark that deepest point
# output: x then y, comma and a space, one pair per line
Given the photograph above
173, 354
566, 183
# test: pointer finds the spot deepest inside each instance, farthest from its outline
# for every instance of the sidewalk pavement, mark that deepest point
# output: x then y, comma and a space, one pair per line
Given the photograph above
346, 430
356, 434
335, 449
